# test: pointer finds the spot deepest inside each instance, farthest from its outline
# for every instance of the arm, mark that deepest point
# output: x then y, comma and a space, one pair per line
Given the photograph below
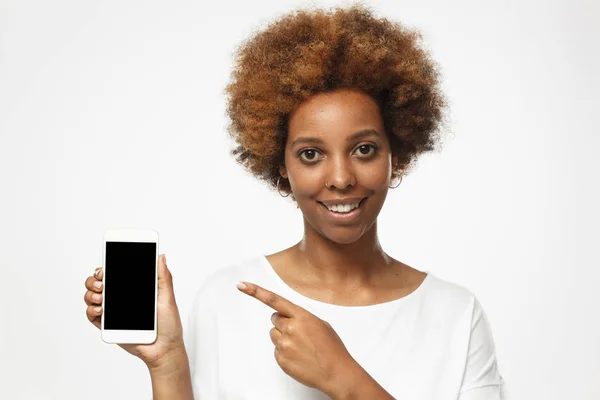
171, 379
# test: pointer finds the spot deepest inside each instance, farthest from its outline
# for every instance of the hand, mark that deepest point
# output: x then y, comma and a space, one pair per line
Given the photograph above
169, 339
306, 348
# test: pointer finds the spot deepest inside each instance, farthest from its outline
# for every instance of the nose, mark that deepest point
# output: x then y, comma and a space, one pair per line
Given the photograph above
340, 174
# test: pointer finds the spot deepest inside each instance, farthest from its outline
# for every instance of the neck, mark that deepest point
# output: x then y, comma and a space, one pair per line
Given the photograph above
333, 264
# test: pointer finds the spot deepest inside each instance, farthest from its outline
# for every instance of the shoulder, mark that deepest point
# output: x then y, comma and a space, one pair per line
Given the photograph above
448, 300
441, 289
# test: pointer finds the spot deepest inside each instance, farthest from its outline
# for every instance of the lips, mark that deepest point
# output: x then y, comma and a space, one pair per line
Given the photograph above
344, 217
359, 203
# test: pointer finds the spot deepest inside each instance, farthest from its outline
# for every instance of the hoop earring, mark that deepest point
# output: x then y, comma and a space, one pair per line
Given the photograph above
279, 190
394, 187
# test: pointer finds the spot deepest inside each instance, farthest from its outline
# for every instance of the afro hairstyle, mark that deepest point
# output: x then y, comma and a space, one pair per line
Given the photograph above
306, 52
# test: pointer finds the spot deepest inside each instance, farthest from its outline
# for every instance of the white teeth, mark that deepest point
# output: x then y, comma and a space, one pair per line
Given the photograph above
342, 208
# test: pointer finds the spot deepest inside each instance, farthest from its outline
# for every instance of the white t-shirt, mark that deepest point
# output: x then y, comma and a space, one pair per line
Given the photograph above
434, 344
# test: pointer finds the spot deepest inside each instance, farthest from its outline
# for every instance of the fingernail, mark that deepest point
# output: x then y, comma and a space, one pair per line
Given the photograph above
242, 286
97, 284
165, 258
96, 297
98, 309
96, 272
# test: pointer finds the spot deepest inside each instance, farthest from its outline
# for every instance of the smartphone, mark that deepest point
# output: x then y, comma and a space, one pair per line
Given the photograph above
129, 293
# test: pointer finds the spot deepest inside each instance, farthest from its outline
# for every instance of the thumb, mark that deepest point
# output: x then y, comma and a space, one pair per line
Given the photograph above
165, 279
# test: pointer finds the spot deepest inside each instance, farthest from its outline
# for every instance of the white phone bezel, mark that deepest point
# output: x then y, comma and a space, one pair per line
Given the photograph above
129, 336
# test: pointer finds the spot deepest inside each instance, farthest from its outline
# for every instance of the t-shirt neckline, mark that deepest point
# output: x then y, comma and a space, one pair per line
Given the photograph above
320, 304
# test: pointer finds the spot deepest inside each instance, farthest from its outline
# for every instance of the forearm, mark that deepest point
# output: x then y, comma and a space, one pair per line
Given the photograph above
357, 384
171, 380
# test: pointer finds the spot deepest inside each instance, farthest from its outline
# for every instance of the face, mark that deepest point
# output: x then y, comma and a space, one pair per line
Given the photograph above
337, 150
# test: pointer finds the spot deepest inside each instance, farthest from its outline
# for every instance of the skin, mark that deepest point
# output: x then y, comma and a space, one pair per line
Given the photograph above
337, 263
340, 263
169, 342
309, 350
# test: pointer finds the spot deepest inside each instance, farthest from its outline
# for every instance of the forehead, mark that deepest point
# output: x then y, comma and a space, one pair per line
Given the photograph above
341, 112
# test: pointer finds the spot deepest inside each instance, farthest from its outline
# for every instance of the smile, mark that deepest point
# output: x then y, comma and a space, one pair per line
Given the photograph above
342, 215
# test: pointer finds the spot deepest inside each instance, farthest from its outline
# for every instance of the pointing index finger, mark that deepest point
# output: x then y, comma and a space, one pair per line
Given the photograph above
271, 299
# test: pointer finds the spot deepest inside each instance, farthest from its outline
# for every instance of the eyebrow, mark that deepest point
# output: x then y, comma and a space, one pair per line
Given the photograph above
358, 135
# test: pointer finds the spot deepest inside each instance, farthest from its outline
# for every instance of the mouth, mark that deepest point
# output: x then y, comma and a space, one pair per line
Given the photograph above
340, 216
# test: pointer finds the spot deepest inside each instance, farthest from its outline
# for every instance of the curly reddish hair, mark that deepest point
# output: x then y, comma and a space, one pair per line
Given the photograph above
307, 52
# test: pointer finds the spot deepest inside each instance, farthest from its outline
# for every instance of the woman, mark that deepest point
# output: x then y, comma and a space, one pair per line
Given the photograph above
329, 108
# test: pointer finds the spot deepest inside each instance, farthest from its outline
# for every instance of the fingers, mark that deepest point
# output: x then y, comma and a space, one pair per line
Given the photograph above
281, 322
276, 336
273, 300
163, 271
93, 315
93, 284
165, 279
93, 297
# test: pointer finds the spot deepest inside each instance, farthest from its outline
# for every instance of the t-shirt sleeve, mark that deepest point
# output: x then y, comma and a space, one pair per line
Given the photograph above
482, 379
201, 343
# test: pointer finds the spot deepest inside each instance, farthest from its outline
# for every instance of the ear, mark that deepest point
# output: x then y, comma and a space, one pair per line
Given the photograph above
394, 161
283, 171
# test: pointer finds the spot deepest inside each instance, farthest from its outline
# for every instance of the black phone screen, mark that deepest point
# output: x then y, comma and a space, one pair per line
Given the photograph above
130, 269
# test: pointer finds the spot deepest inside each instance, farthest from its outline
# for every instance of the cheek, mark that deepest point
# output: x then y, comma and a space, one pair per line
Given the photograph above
375, 177
306, 182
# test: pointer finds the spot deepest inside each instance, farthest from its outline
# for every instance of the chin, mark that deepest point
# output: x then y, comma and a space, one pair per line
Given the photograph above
345, 235
343, 240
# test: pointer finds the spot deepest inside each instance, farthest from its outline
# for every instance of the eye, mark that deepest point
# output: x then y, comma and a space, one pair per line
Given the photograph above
366, 147
310, 154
